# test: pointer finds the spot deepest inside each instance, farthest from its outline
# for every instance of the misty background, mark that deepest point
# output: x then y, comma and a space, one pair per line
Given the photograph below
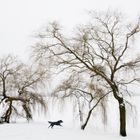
20, 20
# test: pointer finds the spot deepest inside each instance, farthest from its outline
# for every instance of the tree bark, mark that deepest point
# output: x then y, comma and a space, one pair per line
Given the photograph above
122, 111
87, 119
8, 113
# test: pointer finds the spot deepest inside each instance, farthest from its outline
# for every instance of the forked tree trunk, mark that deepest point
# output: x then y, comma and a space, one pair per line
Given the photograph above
90, 111
8, 113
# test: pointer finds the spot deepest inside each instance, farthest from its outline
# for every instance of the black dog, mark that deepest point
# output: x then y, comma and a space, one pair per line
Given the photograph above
55, 123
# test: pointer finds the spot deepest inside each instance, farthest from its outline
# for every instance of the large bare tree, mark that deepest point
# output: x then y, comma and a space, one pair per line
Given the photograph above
102, 49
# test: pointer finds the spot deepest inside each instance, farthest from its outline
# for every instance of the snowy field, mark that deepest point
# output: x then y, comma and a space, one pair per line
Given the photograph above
38, 129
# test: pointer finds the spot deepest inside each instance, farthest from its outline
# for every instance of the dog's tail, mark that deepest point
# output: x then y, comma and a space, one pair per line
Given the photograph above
49, 122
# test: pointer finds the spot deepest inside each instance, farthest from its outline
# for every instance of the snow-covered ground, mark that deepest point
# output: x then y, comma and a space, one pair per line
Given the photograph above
38, 129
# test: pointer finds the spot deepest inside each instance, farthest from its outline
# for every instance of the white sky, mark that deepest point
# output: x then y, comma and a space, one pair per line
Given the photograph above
19, 19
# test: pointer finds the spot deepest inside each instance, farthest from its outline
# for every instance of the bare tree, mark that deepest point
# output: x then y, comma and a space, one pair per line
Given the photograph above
18, 85
101, 48
86, 96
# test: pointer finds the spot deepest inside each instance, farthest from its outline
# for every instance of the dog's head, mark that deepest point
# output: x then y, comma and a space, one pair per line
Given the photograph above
60, 121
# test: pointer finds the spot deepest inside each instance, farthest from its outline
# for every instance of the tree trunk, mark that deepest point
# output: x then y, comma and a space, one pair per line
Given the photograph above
8, 113
122, 119
122, 111
80, 113
87, 119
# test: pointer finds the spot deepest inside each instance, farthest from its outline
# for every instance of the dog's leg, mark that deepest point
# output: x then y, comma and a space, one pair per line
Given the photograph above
49, 126
52, 126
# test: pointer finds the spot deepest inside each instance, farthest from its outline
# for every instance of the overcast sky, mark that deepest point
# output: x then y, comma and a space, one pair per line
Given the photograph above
19, 19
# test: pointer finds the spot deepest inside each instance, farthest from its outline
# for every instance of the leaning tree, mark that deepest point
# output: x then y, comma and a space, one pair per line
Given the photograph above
85, 95
101, 48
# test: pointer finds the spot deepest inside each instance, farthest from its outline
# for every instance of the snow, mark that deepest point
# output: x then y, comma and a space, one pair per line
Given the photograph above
36, 131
